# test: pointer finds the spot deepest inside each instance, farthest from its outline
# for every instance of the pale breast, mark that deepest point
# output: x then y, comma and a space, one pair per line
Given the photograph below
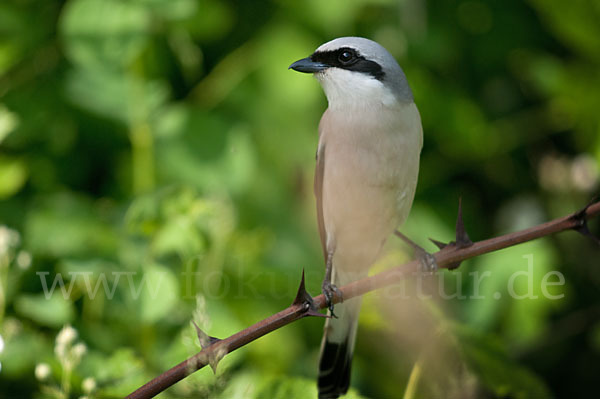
370, 172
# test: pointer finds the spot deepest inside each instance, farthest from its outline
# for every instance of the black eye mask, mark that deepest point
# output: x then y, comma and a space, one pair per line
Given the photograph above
349, 59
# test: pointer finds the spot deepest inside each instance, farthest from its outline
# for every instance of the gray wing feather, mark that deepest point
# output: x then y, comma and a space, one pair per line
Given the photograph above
318, 188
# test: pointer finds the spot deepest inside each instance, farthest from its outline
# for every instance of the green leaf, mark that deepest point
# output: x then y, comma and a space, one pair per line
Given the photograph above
574, 23
13, 174
117, 375
104, 32
180, 236
21, 352
213, 19
67, 225
8, 122
234, 169
159, 292
123, 97
171, 9
54, 311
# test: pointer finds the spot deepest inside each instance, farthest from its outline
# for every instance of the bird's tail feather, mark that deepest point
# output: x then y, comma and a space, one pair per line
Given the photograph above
336, 350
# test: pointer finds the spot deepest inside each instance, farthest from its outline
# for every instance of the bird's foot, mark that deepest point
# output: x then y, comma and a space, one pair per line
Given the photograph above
331, 291
426, 259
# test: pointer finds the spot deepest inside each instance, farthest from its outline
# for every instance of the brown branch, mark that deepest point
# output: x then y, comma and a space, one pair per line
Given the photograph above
448, 257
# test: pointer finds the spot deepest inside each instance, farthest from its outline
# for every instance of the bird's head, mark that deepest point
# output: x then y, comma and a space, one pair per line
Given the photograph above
355, 71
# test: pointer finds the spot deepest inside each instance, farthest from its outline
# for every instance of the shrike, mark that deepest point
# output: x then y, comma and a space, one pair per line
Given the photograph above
370, 138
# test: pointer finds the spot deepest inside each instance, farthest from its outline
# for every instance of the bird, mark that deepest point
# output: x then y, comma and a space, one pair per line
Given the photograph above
367, 165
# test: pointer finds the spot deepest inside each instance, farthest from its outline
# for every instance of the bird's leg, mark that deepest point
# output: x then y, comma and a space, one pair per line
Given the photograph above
329, 289
426, 259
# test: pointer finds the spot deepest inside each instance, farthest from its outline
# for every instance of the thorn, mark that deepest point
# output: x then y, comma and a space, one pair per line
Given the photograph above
408, 241
426, 259
462, 238
584, 230
580, 217
419, 251
304, 298
215, 357
438, 244
205, 339
581, 214
453, 266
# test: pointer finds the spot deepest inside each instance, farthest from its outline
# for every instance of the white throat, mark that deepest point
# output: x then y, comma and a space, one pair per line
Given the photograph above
349, 89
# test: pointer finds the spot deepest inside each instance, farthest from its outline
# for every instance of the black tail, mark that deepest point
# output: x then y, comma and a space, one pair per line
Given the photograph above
334, 369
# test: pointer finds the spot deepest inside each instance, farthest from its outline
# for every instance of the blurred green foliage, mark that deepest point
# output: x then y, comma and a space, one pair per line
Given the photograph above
156, 156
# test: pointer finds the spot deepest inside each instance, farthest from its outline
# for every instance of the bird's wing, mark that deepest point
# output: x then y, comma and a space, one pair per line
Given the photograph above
318, 187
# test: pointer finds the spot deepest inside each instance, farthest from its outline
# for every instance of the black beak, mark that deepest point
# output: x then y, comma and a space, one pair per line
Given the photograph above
307, 65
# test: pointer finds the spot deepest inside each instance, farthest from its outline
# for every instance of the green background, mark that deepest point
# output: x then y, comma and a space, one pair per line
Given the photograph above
165, 142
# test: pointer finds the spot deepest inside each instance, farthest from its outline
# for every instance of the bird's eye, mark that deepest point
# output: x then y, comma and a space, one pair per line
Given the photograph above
346, 56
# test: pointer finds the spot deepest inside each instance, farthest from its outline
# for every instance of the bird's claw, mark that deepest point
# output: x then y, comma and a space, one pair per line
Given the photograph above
427, 260
331, 291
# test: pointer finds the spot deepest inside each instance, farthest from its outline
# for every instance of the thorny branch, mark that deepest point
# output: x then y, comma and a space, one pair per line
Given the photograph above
449, 257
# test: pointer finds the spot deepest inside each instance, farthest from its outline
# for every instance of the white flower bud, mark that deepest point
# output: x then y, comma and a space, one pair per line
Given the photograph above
9, 238
66, 335
24, 260
88, 385
42, 371
78, 351
64, 339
